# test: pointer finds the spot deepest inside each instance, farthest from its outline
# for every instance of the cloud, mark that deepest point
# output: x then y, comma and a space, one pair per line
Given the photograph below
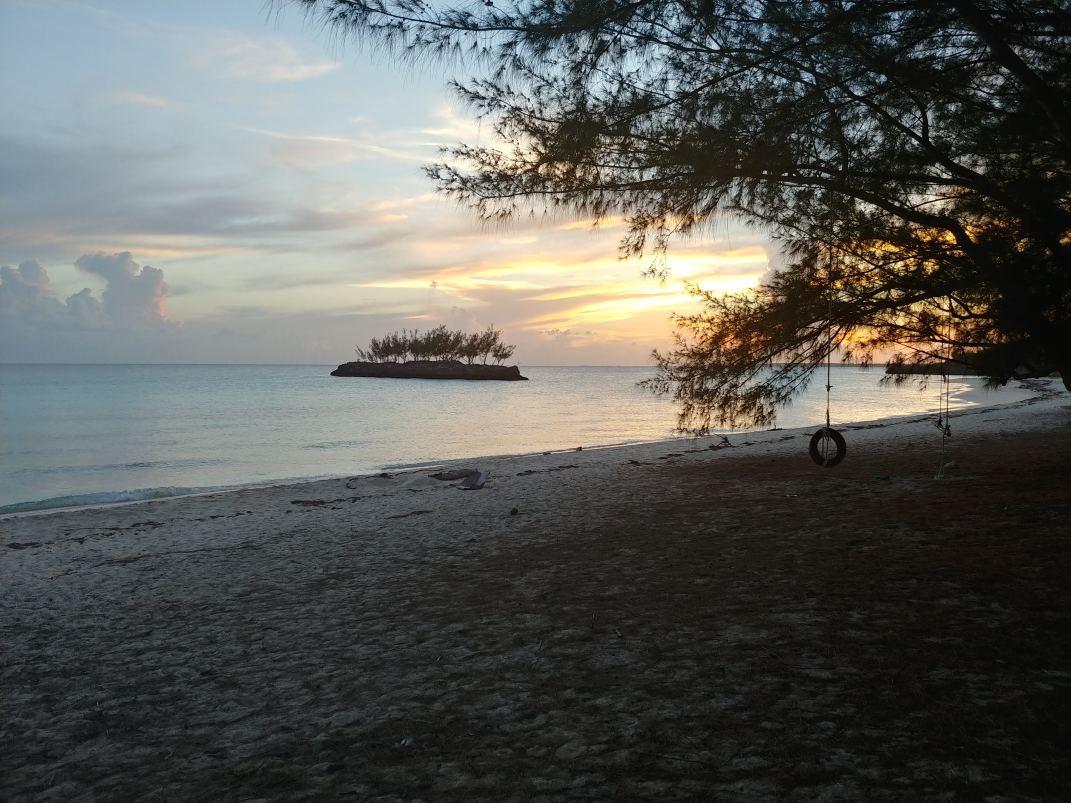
24, 288
262, 61
127, 322
591, 224
371, 242
133, 293
405, 203
27, 301
455, 125
220, 52
133, 297
85, 308
326, 150
62, 196
132, 98
567, 332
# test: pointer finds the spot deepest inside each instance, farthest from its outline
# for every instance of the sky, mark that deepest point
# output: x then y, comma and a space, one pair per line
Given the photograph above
206, 182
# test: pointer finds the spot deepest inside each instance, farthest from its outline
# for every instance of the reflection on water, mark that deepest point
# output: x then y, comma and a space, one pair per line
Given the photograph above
102, 429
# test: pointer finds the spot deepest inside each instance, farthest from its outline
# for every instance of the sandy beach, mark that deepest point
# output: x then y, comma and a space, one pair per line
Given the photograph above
672, 621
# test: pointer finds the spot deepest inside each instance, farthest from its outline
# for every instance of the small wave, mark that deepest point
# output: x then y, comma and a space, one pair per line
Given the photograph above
415, 465
132, 466
99, 498
334, 445
189, 462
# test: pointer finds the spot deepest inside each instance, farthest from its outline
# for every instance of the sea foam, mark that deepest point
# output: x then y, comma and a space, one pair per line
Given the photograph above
100, 498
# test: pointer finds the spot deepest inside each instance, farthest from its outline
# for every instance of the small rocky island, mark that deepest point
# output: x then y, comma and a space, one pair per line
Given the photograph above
429, 369
437, 354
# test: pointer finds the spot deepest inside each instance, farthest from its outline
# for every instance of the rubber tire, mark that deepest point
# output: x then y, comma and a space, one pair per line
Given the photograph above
838, 439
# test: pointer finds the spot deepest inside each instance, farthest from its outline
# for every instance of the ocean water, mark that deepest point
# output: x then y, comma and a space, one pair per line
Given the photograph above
89, 434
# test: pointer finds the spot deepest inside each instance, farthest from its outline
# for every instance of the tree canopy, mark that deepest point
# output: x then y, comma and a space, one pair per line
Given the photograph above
439, 343
911, 157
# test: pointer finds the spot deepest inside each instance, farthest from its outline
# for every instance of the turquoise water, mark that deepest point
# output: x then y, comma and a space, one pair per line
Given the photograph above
87, 434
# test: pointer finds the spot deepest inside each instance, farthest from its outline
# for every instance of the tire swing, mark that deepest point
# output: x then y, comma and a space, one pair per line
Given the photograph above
827, 447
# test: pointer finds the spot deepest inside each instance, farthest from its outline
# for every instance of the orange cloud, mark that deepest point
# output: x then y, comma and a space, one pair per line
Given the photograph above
543, 292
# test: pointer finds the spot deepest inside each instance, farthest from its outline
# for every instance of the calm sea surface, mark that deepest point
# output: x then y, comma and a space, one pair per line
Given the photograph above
87, 434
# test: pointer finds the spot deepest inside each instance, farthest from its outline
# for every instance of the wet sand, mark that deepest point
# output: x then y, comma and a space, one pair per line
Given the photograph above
661, 622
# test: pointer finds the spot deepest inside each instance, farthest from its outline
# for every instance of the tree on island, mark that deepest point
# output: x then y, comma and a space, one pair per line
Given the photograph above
912, 158
438, 344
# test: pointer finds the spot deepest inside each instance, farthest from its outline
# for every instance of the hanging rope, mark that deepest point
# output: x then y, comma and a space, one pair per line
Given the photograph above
827, 446
944, 399
829, 334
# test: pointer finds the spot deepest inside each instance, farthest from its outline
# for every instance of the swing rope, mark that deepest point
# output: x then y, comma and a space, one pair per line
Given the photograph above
944, 400
829, 333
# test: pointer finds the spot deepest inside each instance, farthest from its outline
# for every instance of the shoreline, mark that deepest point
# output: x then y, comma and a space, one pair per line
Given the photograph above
1043, 388
643, 622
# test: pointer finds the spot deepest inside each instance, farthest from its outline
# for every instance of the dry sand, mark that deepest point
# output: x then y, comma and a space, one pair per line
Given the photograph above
658, 622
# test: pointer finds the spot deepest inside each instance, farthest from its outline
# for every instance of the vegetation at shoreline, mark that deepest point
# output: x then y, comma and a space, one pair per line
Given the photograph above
913, 160
438, 344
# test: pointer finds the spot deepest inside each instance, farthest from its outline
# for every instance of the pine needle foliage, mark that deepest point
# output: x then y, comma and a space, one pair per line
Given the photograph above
439, 344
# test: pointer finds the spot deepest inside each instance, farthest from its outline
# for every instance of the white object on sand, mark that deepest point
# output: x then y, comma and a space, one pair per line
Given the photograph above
473, 481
